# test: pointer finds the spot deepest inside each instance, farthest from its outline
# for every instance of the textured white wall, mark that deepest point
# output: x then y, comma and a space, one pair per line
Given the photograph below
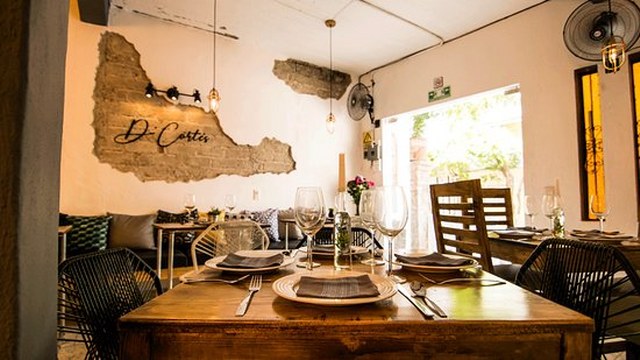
255, 104
528, 49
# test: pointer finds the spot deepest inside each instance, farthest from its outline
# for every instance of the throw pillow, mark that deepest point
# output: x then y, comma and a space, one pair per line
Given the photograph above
294, 231
269, 217
131, 231
88, 234
164, 217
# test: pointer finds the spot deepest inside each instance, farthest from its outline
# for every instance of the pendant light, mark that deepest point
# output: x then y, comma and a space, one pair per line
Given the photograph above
614, 52
331, 119
214, 96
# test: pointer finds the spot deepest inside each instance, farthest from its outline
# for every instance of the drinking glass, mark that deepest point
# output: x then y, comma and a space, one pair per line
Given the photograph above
189, 202
549, 203
598, 207
530, 209
310, 214
390, 217
230, 202
367, 207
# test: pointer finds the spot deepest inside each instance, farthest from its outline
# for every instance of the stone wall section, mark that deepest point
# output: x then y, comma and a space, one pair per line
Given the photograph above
133, 132
306, 78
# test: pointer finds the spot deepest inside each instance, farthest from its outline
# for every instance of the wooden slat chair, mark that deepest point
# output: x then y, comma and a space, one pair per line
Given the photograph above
460, 225
227, 237
498, 209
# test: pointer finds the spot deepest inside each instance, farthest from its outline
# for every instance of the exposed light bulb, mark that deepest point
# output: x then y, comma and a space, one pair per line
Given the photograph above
614, 54
331, 123
214, 100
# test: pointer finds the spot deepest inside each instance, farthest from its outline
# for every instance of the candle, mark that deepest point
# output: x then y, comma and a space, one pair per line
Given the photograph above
341, 182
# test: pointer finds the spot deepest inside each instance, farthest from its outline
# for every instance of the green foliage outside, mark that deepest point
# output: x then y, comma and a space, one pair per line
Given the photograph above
472, 140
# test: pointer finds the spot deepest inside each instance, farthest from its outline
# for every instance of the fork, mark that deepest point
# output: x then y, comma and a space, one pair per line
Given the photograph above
230, 281
254, 286
479, 280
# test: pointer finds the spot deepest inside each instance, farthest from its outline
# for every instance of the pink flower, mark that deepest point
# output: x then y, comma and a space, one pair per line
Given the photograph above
371, 184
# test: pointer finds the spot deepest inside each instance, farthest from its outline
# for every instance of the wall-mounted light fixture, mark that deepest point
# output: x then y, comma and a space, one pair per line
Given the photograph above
172, 93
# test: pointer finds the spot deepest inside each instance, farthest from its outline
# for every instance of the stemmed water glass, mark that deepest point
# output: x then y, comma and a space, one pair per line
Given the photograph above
390, 217
598, 207
530, 209
367, 207
189, 202
549, 203
230, 202
310, 214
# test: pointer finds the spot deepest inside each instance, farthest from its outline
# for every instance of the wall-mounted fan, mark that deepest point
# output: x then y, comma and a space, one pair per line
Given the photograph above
360, 102
592, 24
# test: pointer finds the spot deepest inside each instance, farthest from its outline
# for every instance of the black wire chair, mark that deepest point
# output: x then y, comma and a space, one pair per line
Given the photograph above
594, 279
361, 237
96, 289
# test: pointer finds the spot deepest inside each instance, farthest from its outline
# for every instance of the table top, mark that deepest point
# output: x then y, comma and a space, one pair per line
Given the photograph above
63, 229
209, 303
193, 320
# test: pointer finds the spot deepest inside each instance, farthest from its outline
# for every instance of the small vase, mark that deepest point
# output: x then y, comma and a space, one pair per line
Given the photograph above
342, 241
357, 209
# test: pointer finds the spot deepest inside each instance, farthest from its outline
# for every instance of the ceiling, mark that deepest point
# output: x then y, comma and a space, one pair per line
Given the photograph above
368, 33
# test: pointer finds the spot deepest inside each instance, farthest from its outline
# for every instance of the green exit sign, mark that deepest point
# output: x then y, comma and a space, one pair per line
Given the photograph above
440, 94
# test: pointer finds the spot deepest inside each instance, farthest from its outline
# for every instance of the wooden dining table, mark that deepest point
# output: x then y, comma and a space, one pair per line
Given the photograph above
198, 321
517, 251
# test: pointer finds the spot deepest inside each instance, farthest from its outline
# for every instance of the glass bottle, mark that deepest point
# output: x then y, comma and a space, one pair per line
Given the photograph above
342, 240
558, 223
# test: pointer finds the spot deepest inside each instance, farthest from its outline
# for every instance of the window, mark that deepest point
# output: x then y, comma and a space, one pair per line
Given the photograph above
634, 60
591, 150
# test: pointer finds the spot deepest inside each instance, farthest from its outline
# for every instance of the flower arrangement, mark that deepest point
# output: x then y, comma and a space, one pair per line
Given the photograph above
356, 186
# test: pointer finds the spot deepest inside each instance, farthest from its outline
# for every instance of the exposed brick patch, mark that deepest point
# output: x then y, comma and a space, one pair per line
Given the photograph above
306, 78
202, 151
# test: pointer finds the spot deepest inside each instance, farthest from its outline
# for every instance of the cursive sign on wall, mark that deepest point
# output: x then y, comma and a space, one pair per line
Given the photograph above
167, 136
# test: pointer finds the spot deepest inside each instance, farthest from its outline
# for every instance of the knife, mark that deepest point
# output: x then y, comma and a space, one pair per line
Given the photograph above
426, 312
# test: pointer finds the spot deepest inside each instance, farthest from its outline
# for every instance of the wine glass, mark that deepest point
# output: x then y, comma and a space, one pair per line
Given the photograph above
367, 207
530, 209
189, 202
230, 202
598, 207
310, 214
549, 203
390, 217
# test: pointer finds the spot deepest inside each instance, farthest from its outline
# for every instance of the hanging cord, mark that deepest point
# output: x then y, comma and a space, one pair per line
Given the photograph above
331, 68
215, 28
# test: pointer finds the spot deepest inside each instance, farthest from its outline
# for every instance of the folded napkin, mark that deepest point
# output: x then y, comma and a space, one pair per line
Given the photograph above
337, 288
596, 234
324, 249
435, 259
250, 262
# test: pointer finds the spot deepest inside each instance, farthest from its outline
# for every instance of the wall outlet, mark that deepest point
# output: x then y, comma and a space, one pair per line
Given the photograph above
256, 195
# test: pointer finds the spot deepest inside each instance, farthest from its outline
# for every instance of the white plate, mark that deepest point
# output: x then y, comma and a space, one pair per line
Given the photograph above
213, 263
355, 250
287, 286
434, 268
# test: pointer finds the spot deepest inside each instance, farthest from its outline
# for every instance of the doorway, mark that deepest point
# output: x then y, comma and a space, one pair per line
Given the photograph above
479, 136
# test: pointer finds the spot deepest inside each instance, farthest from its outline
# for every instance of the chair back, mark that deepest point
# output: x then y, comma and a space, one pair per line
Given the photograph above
459, 220
498, 210
361, 237
95, 290
226, 237
594, 279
